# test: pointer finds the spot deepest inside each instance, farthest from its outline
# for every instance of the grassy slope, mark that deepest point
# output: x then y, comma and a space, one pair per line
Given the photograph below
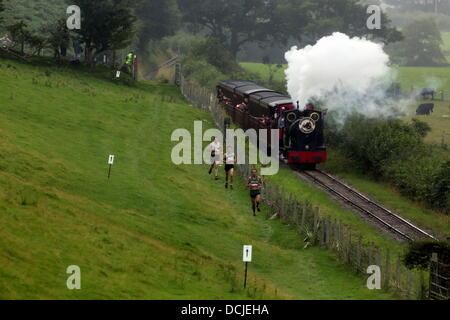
154, 230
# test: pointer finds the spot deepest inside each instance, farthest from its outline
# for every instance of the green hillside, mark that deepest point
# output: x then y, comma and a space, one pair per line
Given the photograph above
34, 13
155, 230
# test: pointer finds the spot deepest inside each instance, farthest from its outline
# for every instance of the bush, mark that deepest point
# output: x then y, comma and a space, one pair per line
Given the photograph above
214, 53
419, 253
440, 188
374, 143
395, 151
201, 72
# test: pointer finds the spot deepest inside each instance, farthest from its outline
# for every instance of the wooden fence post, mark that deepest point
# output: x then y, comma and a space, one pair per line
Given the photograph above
387, 267
359, 249
397, 272
304, 208
323, 225
422, 294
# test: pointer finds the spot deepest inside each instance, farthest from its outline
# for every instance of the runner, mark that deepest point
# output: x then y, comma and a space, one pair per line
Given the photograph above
214, 147
230, 159
255, 185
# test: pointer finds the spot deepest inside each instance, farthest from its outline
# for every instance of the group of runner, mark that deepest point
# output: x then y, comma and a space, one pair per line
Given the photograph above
254, 182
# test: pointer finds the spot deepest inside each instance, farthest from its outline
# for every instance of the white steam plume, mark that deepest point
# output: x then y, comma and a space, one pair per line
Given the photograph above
348, 75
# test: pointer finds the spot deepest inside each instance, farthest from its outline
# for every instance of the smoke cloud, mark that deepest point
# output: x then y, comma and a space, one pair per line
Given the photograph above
347, 75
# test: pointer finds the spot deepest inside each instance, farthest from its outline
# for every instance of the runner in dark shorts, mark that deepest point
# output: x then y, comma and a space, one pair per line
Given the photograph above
230, 159
255, 186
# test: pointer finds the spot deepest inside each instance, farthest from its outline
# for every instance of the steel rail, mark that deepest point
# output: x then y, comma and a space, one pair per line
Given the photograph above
351, 202
389, 212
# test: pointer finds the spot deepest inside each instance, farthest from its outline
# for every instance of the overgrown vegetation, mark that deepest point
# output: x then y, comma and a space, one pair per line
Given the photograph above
422, 45
419, 253
395, 151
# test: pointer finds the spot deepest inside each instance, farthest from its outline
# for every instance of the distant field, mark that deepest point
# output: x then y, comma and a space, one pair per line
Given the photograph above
446, 47
420, 77
263, 70
407, 76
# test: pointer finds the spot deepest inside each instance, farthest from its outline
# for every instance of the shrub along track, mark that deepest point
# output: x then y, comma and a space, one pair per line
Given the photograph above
393, 224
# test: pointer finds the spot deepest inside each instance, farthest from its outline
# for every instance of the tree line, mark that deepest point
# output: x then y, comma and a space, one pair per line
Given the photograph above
117, 24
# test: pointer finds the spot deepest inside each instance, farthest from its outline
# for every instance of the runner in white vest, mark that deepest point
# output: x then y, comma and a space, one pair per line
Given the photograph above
214, 147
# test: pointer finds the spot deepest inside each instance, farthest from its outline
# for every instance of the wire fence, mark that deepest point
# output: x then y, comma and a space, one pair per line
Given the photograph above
439, 95
317, 229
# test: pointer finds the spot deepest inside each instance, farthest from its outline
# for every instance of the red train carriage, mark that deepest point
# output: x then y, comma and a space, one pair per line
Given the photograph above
254, 107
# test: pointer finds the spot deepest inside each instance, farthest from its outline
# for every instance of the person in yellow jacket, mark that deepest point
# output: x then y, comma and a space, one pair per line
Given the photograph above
129, 61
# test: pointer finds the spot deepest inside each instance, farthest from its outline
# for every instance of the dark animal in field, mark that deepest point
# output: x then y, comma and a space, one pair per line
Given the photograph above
76, 62
425, 109
428, 93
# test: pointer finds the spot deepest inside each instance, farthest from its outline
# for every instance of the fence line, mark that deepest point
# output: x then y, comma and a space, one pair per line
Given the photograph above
439, 95
318, 230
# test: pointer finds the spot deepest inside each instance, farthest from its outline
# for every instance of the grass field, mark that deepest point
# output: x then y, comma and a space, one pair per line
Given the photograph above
155, 230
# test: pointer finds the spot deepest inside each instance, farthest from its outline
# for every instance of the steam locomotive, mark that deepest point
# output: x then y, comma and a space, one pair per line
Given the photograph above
254, 107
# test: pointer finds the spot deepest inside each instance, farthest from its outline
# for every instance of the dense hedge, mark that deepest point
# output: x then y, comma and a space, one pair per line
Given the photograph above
395, 151
419, 253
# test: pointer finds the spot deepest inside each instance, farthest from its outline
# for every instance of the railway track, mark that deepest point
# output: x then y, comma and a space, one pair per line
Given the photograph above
151, 75
386, 219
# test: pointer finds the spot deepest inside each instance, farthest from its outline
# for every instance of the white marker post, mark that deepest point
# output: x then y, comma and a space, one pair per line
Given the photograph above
117, 74
110, 162
247, 257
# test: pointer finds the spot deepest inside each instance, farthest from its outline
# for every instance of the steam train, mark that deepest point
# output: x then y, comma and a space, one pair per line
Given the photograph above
251, 106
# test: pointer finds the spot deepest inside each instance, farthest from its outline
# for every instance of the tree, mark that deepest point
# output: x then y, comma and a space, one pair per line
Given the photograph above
19, 34
232, 22
272, 68
160, 18
348, 16
216, 55
58, 37
2, 8
422, 45
236, 22
37, 43
105, 25
436, 6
